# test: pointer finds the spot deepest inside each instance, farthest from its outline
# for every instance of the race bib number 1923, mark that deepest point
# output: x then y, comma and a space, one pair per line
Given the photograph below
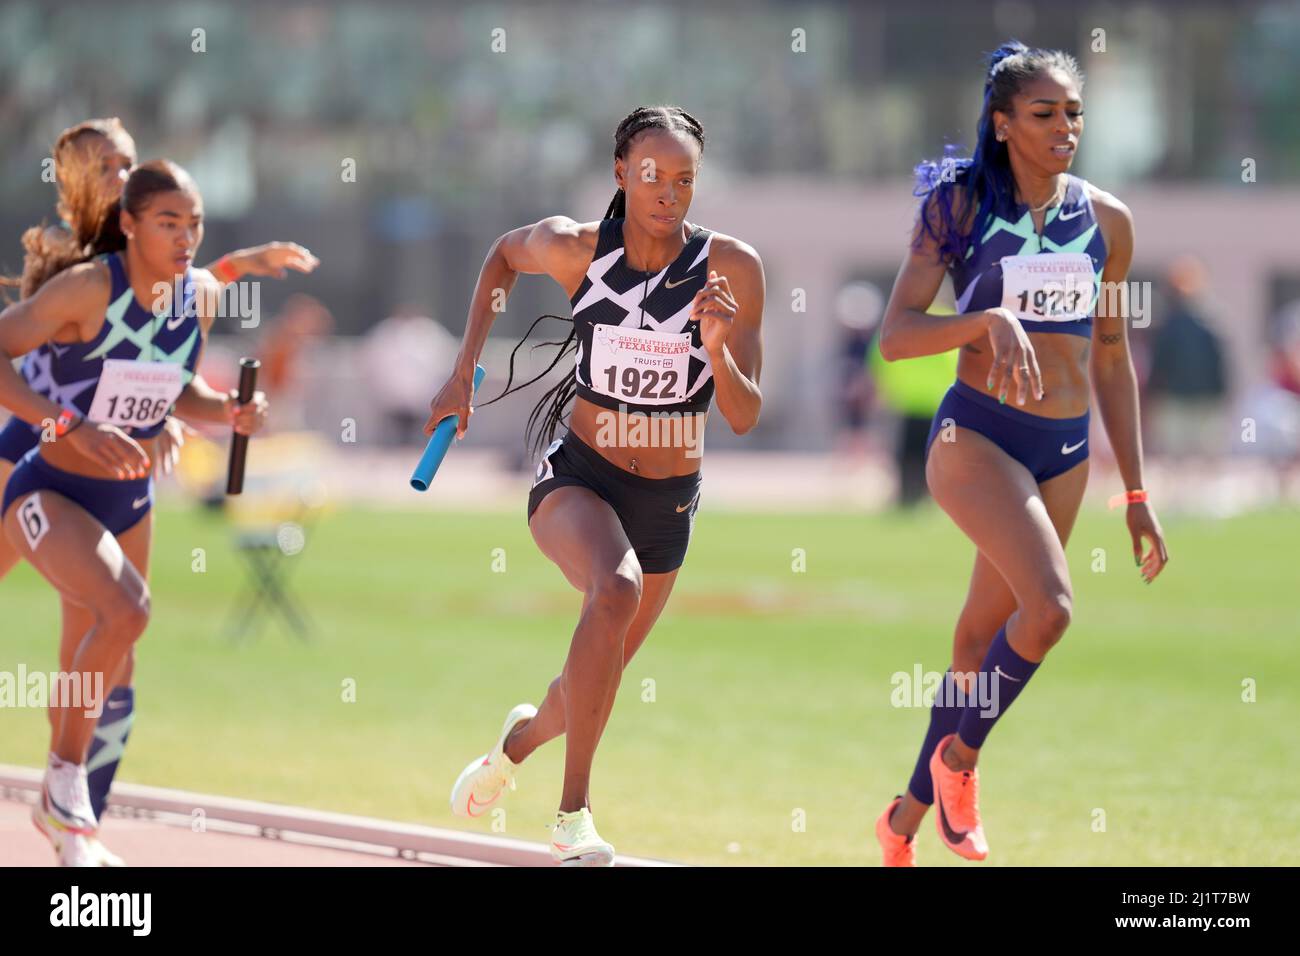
135, 394
640, 366
1050, 287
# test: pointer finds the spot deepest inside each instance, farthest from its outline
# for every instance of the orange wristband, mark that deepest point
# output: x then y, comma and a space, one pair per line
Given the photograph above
66, 422
225, 270
1133, 497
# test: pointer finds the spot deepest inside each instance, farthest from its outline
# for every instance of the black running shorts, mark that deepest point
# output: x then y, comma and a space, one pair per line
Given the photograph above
657, 514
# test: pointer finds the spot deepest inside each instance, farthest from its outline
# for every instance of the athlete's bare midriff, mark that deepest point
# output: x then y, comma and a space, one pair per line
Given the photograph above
1063, 362
678, 442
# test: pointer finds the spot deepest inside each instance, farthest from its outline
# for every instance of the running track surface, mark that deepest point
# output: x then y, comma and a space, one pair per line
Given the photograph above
152, 826
151, 843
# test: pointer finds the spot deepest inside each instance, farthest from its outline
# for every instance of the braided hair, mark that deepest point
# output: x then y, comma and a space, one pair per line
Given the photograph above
986, 174
550, 410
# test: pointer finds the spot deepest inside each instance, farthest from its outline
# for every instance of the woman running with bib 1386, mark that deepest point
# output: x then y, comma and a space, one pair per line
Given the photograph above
666, 316
78, 507
92, 160
1028, 247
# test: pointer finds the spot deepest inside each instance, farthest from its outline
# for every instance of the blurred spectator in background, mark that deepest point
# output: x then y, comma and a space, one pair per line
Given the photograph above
1187, 384
401, 356
1269, 411
912, 390
302, 322
1285, 357
858, 307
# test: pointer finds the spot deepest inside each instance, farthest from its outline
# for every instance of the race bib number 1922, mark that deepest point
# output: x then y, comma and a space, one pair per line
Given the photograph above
640, 365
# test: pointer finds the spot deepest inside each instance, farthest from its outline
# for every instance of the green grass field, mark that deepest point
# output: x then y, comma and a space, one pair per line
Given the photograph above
772, 688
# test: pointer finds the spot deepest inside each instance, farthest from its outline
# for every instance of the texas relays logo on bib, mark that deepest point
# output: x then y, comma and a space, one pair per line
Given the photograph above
1048, 287
643, 365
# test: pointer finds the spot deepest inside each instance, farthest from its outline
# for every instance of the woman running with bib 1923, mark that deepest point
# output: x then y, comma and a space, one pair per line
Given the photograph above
1028, 247
666, 318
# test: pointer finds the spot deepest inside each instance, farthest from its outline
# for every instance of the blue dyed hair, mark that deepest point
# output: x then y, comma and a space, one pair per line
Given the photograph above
986, 174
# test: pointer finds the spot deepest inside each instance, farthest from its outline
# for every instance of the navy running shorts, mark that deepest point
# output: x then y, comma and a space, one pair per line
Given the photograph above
657, 514
16, 439
117, 505
1046, 446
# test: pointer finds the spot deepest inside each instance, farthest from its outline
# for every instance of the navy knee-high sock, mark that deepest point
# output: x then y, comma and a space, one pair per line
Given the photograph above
106, 746
1005, 673
945, 713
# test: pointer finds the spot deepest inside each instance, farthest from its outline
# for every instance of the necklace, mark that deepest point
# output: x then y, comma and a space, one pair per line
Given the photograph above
1055, 197
645, 288
645, 291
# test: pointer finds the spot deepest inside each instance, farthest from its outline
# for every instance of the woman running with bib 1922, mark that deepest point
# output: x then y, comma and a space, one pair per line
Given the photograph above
666, 318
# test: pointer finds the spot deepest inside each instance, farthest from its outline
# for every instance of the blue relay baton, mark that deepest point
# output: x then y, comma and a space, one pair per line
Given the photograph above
439, 442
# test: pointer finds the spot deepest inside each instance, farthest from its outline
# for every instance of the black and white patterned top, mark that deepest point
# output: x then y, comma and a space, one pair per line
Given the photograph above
637, 327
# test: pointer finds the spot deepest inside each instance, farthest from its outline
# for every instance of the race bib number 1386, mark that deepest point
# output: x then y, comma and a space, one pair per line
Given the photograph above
135, 394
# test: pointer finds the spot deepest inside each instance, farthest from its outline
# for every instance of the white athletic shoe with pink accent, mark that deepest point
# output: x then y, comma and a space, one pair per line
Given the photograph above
73, 849
65, 797
575, 842
487, 777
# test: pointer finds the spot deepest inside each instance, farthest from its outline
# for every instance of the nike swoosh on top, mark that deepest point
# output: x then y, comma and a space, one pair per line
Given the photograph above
1071, 449
172, 326
1078, 212
673, 285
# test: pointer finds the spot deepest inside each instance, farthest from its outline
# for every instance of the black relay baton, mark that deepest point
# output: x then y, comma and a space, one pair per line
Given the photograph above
239, 445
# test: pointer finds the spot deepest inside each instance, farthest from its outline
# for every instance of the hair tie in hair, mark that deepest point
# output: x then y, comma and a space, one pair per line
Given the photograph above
1000, 64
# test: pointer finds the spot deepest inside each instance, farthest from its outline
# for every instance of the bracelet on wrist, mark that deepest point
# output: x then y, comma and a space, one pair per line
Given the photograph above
66, 422
225, 270
1131, 497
